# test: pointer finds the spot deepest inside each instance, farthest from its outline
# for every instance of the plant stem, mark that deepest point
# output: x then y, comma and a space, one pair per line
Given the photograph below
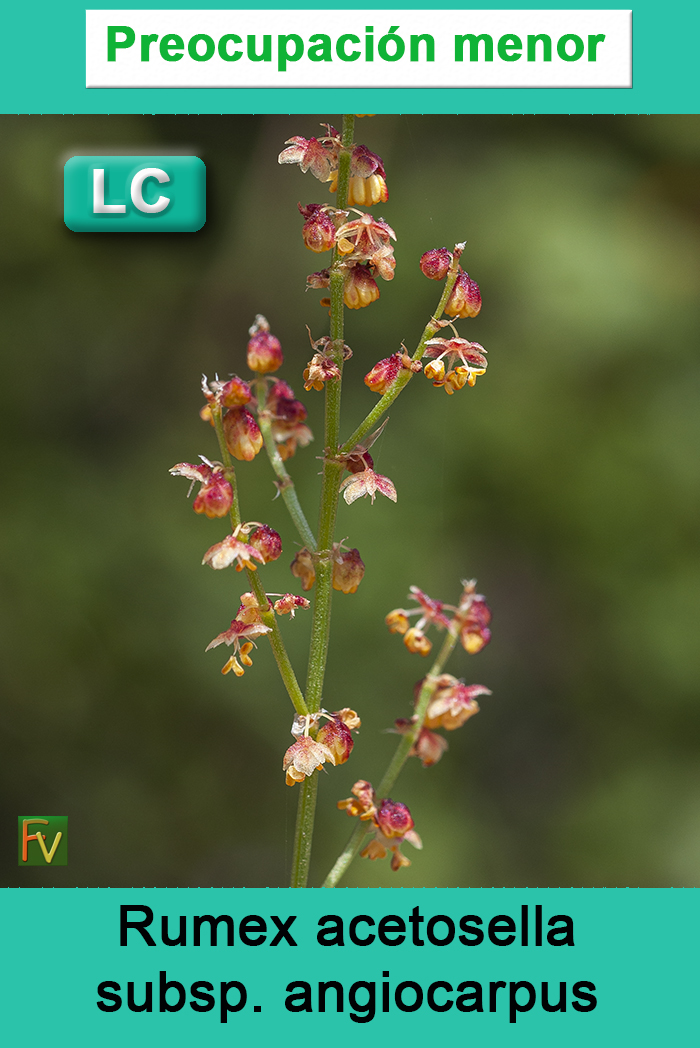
285, 484
332, 473
267, 615
303, 833
424, 696
398, 760
404, 376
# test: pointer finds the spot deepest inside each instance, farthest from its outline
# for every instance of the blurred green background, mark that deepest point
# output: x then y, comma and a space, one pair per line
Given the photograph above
566, 482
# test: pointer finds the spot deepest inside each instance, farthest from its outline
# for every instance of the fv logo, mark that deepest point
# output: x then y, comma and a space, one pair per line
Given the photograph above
43, 840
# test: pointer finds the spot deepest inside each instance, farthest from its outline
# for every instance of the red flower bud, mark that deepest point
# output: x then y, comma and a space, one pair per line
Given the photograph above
383, 373
215, 496
302, 567
319, 229
267, 542
264, 350
243, 437
394, 818
337, 737
348, 570
360, 288
435, 264
234, 393
465, 300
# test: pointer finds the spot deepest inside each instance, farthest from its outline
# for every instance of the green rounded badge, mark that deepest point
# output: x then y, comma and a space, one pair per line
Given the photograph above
134, 194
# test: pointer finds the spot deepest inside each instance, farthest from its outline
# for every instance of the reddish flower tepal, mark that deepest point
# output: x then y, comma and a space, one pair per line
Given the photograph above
240, 635
392, 823
367, 482
215, 494
264, 350
333, 743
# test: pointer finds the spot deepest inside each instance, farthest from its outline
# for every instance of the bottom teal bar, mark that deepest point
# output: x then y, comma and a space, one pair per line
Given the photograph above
496, 966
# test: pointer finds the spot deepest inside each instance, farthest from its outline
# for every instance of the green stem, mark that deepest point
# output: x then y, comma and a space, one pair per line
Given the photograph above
398, 760
285, 484
404, 376
303, 833
267, 615
330, 486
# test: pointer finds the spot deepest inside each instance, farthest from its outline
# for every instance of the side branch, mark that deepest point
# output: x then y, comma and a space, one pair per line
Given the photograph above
399, 759
404, 376
285, 483
266, 613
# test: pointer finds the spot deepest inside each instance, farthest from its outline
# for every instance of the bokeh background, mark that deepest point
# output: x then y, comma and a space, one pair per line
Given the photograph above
566, 481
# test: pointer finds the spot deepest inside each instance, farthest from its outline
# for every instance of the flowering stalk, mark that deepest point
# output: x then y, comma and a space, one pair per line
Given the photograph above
332, 473
403, 751
266, 613
362, 249
405, 375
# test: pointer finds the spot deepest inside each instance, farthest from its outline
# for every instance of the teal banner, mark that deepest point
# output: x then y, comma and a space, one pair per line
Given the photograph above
492, 966
44, 69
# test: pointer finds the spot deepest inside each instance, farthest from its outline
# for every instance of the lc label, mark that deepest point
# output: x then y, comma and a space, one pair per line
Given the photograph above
134, 194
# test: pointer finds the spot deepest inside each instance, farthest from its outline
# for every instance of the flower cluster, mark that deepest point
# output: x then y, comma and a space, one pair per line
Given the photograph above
348, 568
263, 545
465, 360
288, 419
470, 620
458, 375
248, 624
363, 244
391, 821
333, 743
465, 298
452, 703
215, 494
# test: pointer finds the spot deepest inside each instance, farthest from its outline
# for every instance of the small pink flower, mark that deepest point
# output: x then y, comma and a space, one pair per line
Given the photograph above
267, 542
383, 374
319, 370
234, 393
215, 494
232, 551
357, 485
363, 236
436, 263
394, 819
303, 568
318, 230
322, 279
362, 802
392, 823
303, 758
360, 288
264, 350
288, 419
242, 433
469, 354
430, 611
239, 631
318, 157
465, 300
429, 747
475, 633
348, 570
367, 184
336, 735
453, 705
289, 604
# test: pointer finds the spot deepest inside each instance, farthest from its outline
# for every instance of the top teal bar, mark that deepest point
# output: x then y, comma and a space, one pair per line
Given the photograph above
44, 70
